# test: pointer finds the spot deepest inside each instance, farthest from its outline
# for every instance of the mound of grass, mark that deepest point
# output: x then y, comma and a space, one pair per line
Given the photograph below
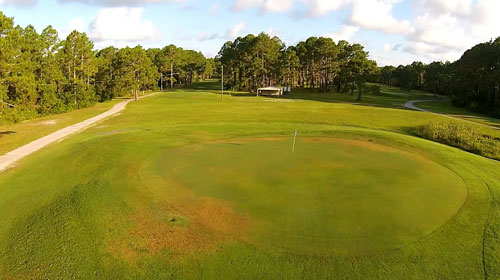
472, 138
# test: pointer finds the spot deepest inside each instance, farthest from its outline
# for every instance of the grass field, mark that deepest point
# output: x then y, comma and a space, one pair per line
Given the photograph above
183, 185
445, 107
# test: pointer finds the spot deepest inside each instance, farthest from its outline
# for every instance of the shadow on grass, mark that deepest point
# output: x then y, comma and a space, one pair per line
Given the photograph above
389, 97
214, 87
384, 99
2, 133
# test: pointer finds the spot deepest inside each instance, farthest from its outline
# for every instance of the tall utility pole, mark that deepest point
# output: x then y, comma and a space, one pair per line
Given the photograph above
161, 81
222, 84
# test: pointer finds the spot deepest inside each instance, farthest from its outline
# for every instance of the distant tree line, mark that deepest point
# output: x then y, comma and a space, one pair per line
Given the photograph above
321, 64
253, 61
473, 81
41, 75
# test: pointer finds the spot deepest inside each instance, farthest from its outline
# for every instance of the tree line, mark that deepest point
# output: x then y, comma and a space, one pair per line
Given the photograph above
473, 81
253, 61
320, 64
41, 74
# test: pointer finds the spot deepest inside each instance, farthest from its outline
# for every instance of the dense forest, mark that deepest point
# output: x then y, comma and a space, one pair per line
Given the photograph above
473, 81
40, 74
318, 63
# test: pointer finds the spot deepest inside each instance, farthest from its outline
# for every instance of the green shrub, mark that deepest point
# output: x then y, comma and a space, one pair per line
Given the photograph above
473, 138
373, 89
10, 115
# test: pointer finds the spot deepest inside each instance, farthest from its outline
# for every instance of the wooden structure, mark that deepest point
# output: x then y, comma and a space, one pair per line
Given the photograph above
271, 91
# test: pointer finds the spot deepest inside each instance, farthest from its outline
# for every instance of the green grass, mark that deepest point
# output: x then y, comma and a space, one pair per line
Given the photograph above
393, 97
389, 97
158, 193
445, 107
13, 136
317, 199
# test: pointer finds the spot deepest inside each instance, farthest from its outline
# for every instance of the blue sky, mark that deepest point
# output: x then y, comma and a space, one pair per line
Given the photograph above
393, 31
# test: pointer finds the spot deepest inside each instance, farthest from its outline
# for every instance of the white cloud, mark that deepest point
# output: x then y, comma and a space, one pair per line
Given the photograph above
445, 29
119, 3
437, 28
433, 52
241, 5
231, 33
383, 60
122, 25
214, 9
442, 30
19, 3
369, 14
346, 32
377, 15
77, 24
273, 32
106, 3
202, 37
314, 8
444, 6
387, 48
484, 21
319, 8
266, 6
235, 31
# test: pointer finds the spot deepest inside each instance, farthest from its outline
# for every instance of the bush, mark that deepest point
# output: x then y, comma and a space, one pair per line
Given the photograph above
373, 89
346, 89
473, 138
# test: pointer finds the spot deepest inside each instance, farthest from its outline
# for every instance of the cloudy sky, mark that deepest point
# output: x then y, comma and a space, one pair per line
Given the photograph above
393, 31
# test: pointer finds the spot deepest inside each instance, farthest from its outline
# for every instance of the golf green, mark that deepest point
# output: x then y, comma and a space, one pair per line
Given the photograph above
329, 196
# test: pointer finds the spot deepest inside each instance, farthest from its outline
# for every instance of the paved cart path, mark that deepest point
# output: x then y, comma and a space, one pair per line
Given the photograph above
411, 105
12, 157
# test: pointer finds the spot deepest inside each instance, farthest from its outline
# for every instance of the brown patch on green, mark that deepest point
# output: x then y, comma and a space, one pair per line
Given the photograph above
151, 234
219, 216
244, 140
358, 143
191, 226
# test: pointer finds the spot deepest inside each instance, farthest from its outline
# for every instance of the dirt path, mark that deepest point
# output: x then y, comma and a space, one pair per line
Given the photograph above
411, 105
12, 157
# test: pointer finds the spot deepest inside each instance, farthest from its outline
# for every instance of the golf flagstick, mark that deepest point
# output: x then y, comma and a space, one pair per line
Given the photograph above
294, 138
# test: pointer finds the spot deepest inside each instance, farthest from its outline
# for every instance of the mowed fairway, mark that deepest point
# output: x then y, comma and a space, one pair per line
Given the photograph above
183, 185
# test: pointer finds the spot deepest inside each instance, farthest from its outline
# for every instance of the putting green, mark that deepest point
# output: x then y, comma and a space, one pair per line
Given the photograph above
330, 196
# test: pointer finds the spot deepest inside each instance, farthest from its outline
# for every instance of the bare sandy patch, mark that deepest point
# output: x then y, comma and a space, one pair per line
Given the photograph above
48, 123
190, 226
